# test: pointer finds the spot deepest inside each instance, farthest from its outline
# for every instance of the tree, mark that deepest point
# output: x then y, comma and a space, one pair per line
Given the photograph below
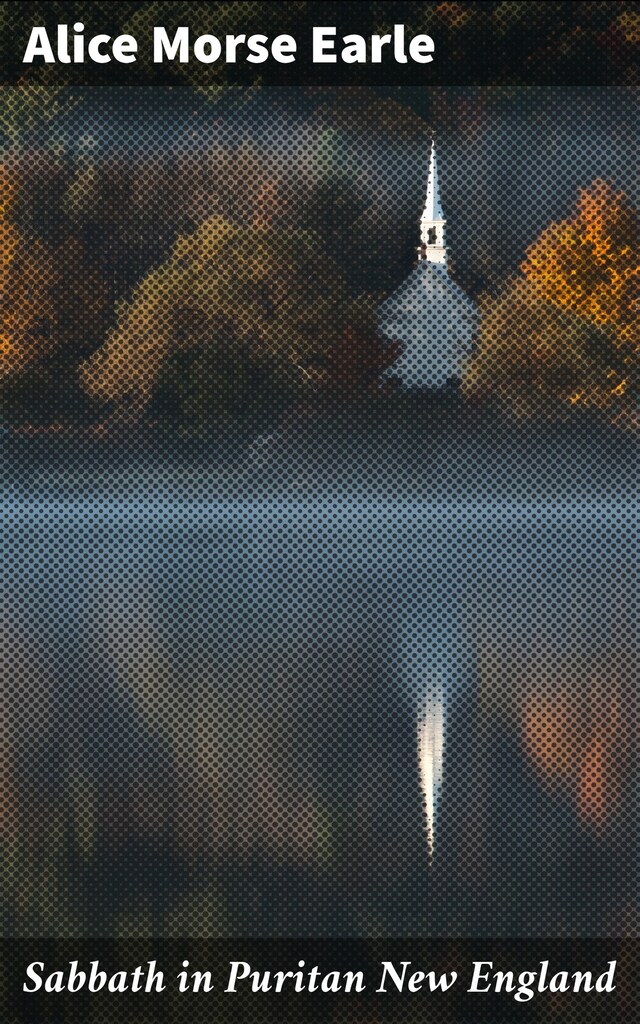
565, 333
26, 108
534, 356
590, 264
52, 313
27, 274
235, 311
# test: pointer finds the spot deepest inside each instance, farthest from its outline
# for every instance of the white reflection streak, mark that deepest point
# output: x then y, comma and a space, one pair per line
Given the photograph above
431, 727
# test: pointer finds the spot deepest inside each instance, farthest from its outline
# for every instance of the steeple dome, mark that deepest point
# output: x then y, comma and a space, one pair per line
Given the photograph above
432, 223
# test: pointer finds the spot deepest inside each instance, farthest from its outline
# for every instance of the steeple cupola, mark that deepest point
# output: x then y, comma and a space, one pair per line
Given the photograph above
432, 223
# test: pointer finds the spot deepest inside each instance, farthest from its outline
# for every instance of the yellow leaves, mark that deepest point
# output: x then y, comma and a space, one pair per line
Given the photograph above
209, 238
629, 25
589, 264
243, 294
538, 356
127, 362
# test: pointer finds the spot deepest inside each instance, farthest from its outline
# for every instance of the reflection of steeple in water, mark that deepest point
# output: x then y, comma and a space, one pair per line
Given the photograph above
431, 660
431, 726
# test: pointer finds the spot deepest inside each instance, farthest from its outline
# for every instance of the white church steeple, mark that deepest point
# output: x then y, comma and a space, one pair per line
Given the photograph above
432, 223
429, 314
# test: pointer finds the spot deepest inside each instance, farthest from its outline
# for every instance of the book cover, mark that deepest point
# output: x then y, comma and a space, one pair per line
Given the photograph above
319, 384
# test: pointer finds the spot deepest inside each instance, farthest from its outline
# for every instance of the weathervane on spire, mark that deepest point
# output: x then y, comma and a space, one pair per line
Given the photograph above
432, 223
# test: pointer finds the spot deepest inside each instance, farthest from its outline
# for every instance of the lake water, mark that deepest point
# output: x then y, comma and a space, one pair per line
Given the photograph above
316, 713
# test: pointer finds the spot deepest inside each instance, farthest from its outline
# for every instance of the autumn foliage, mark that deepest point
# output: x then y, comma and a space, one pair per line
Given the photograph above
27, 276
232, 310
589, 264
53, 310
565, 332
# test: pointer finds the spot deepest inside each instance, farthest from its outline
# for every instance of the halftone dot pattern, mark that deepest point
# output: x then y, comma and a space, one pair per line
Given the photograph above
288, 647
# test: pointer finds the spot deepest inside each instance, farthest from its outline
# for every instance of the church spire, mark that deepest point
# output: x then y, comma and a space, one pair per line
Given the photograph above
432, 223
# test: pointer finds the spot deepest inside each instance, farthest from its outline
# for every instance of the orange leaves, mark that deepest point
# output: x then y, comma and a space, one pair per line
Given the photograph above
628, 24
26, 274
566, 333
589, 263
53, 310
